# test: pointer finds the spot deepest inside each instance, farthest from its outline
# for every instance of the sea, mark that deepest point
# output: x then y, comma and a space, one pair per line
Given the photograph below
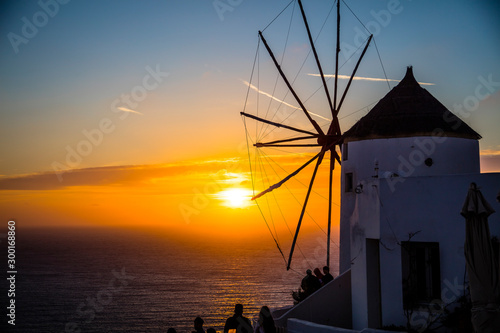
121, 280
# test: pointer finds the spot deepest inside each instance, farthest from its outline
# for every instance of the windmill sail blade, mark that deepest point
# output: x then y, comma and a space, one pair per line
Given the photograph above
258, 145
337, 52
336, 156
313, 122
354, 73
335, 126
320, 159
288, 140
277, 124
284, 180
316, 57
330, 200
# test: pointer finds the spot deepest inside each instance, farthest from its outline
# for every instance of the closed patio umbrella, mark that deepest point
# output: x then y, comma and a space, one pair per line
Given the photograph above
481, 263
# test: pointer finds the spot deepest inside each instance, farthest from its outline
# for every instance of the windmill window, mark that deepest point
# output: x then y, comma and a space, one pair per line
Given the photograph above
345, 152
421, 273
349, 182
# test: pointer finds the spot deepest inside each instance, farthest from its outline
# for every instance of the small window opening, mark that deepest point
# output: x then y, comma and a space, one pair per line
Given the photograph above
345, 152
349, 182
421, 273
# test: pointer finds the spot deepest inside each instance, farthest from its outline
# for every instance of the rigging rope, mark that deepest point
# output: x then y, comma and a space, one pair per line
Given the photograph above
387, 80
277, 15
277, 74
297, 200
383, 68
297, 74
279, 207
251, 76
275, 238
331, 77
263, 171
363, 108
356, 16
253, 188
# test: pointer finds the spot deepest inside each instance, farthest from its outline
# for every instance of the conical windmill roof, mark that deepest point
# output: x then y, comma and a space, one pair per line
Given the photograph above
409, 110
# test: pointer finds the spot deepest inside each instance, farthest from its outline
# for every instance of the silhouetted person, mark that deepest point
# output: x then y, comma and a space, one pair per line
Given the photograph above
327, 277
198, 325
266, 322
310, 283
319, 275
211, 330
238, 322
171, 330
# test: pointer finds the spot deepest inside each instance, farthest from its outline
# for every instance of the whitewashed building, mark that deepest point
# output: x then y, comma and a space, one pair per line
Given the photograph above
406, 169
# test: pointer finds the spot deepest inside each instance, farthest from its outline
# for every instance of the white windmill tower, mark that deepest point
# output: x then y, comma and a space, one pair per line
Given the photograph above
406, 167
408, 133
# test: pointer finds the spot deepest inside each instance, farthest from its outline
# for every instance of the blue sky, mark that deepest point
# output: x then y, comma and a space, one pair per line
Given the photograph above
64, 79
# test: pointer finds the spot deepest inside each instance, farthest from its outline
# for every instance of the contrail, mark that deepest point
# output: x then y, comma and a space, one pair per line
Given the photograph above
360, 78
128, 110
248, 84
490, 152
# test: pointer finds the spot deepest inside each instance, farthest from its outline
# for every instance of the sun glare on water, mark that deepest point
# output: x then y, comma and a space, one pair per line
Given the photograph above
235, 197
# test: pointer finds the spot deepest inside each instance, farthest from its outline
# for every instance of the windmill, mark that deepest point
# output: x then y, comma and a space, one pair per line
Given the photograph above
323, 141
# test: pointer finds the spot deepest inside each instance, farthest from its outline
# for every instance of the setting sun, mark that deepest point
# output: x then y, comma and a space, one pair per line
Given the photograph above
235, 197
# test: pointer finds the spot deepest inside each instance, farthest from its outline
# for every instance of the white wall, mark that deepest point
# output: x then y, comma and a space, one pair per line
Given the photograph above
406, 158
364, 223
425, 200
430, 206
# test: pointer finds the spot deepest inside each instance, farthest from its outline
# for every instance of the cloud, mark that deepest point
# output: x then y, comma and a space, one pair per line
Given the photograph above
77, 177
361, 78
125, 175
490, 152
490, 160
226, 177
224, 171
128, 110
248, 84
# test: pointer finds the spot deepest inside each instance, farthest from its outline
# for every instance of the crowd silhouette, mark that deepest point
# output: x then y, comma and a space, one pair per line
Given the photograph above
238, 323
311, 283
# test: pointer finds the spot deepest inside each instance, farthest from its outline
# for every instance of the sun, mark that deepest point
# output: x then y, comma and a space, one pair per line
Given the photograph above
235, 197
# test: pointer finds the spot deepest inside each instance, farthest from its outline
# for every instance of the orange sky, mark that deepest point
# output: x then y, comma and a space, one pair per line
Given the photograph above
180, 198
187, 71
